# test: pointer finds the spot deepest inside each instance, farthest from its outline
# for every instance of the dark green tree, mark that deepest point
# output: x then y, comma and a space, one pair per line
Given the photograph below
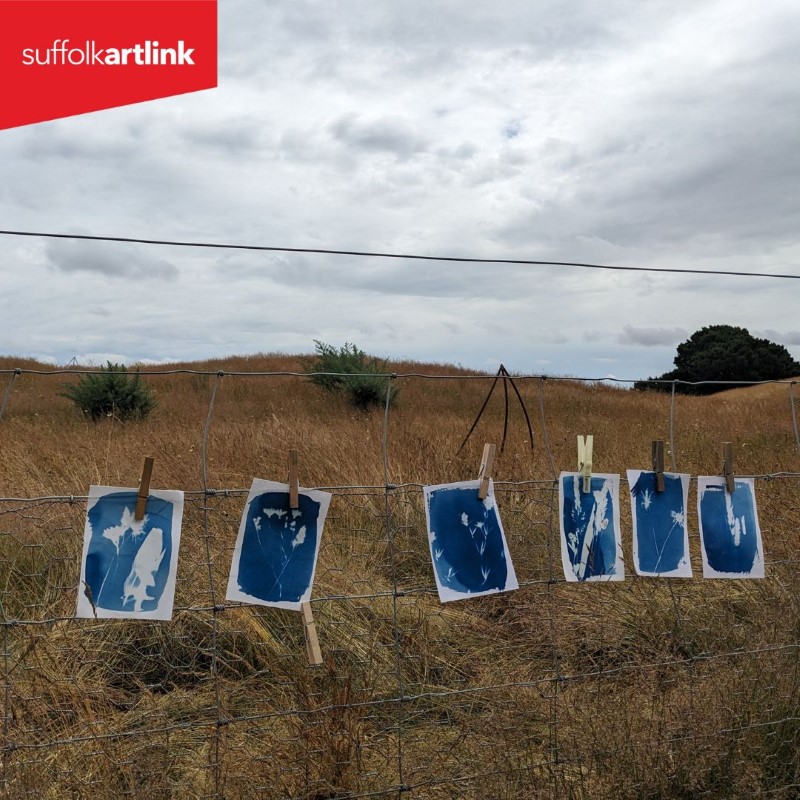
725, 353
112, 391
350, 371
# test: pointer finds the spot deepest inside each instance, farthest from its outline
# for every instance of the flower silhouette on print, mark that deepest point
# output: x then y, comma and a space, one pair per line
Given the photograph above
466, 541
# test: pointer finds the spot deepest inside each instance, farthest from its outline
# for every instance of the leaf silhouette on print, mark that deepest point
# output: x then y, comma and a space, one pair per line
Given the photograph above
592, 561
128, 526
142, 576
287, 557
115, 533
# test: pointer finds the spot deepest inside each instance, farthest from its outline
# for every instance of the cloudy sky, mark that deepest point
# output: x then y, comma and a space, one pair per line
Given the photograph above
631, 132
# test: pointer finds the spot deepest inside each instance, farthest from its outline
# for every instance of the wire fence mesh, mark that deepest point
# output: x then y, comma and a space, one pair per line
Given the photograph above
645, 688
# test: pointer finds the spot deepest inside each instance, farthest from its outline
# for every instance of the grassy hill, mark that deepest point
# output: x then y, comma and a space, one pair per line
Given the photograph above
647, 688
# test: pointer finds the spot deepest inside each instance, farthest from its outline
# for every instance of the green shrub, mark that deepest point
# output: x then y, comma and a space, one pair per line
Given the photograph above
112, 391
350, 371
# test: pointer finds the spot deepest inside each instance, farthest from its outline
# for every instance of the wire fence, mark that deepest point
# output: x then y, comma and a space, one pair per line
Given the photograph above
646, 688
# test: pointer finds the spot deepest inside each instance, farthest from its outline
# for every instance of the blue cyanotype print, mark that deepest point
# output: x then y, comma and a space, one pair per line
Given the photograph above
468, 547
129, 565
729, 529
590, 538
660, 539
276, 551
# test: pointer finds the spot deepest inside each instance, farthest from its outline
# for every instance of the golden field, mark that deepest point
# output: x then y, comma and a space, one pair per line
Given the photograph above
641, 689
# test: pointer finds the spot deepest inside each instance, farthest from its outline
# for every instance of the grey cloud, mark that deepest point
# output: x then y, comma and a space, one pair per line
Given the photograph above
303, 146
651, 337
549, 27
233, 137
463, 152
383, 135
496, 329
112, 260
62, 142
786, 338
396, 277
694, 163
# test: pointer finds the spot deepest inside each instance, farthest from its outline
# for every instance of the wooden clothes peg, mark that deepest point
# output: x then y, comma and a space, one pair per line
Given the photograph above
485, 472
313, 650
727, 467
294, 484
658, 463
144, 489
312, 642
585, 461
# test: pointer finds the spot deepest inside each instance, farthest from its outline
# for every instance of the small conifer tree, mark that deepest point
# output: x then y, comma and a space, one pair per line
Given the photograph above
112, 391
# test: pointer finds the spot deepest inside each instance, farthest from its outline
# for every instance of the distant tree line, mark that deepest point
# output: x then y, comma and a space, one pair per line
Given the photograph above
724, 353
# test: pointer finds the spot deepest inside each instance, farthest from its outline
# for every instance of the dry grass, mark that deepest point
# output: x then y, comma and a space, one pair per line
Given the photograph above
647, 688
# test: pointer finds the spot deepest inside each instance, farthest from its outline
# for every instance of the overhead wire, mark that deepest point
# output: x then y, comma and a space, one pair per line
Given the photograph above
400, 256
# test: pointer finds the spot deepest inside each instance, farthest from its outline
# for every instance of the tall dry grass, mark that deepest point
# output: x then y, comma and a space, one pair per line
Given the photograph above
646, 688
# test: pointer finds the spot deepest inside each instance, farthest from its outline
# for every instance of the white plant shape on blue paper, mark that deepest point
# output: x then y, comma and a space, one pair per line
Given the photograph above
289, 524
143, 572
128, 565
276, 551
678, 521
137, 581
737, 525
595, 526
479, 532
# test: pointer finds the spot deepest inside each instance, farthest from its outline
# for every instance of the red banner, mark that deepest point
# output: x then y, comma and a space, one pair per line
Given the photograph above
59, 58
